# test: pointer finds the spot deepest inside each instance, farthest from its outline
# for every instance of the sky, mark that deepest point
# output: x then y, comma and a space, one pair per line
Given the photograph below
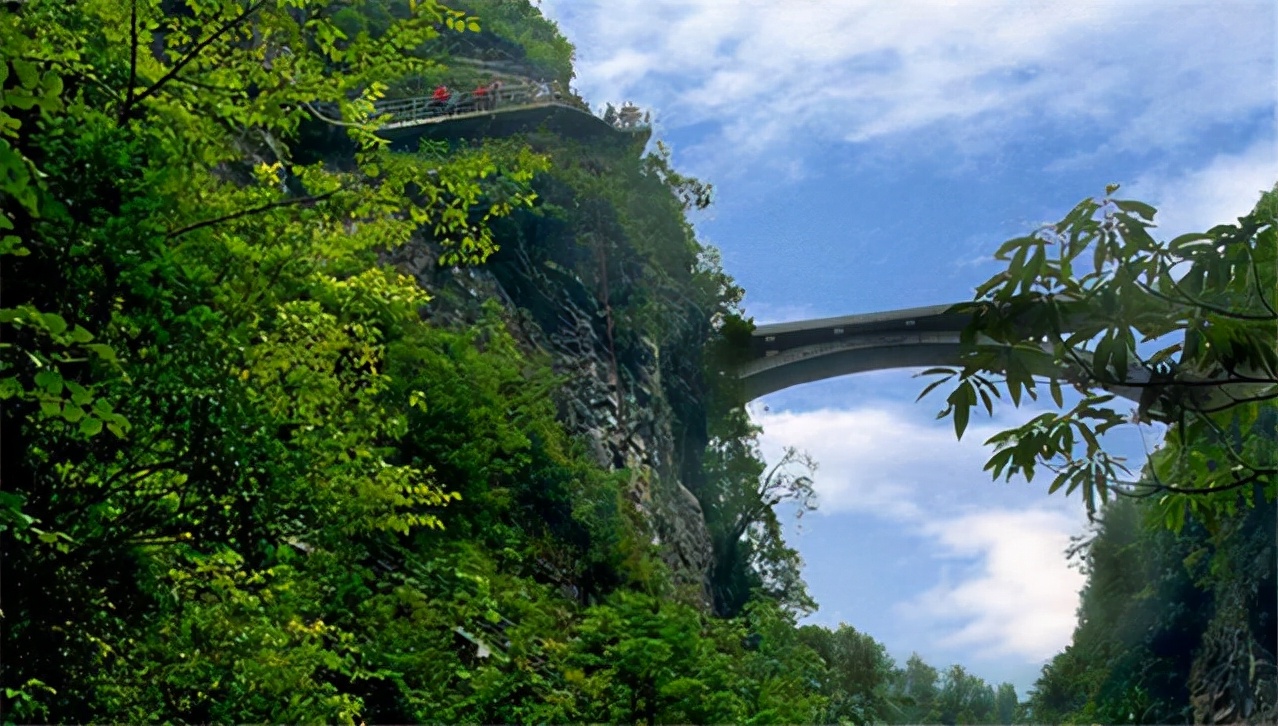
871, 156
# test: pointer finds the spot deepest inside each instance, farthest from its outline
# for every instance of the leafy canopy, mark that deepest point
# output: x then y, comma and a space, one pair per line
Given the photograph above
1190, 324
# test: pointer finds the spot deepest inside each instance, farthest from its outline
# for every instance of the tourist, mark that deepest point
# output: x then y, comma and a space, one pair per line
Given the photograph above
480, 94
629, 116
439, 99
494, 93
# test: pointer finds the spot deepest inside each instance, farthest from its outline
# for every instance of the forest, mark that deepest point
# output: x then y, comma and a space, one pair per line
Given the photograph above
303, 424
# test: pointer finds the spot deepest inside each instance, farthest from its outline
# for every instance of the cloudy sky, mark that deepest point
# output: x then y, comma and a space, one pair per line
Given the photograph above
869, 156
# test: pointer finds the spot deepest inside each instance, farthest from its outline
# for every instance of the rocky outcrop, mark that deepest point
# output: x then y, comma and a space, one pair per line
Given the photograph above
615, 405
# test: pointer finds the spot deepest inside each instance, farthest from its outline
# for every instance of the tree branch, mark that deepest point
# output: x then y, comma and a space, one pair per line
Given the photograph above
133, 54
1158, 487
1234, 379
335, 122
1190, 301
131, 103
249, 212
201, 84
1236, 401
1260, 292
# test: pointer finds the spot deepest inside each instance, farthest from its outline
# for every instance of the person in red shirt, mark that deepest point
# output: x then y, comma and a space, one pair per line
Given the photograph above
439, 99
483, 101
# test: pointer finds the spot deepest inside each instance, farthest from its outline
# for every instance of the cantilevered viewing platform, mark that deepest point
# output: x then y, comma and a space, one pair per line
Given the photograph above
519, 107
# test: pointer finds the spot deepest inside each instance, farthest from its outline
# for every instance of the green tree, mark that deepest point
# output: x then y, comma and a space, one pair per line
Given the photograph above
740, 495
859, 672
1005, 703
194, 368
964, 698
1162, 637
1207, 298
915, 690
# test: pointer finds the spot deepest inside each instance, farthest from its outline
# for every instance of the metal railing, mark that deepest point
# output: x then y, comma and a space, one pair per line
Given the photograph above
416, 111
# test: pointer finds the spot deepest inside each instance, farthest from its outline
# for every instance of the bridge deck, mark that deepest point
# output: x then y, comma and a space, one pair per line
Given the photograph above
790, 354
781, 336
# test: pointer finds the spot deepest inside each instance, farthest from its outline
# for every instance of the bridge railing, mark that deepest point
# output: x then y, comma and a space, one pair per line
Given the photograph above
405, 112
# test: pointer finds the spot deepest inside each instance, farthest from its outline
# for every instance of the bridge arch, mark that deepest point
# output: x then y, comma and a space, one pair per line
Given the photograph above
783, 355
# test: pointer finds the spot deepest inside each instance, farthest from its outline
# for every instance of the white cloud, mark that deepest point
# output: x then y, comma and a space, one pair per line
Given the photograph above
863, 465
765, 75
884, 460
1023, 599
1225, 188
876, 460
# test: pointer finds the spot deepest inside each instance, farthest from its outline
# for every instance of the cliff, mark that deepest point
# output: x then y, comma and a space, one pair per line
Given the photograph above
559, 298
254, 473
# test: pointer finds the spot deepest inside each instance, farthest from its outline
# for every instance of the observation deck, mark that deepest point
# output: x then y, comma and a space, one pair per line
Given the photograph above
516, 107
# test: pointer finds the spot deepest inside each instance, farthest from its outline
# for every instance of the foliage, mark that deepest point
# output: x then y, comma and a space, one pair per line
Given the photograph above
915, 689
614, 233
859, 673
964, 698
1206, 298
246, 479
519, 32
196, 352
1005, 703
1151, 644
1170, 627
740, 496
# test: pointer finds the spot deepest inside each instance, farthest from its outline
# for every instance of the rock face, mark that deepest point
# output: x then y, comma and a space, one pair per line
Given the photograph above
617, 406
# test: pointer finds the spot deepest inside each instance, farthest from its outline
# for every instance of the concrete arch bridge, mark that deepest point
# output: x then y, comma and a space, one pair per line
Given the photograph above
789, 354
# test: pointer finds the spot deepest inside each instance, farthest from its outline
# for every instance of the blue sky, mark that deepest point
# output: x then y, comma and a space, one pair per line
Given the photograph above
872, 155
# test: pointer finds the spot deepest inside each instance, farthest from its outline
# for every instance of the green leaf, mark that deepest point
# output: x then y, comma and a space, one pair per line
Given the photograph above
961, 413
79, 394
91, 426
1013, 244
1184, 243
1059, 481
935, 372
932, 386
1120, 361
27, 73
1135, 207
50, 380
53, 323
105, 352
985, 400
